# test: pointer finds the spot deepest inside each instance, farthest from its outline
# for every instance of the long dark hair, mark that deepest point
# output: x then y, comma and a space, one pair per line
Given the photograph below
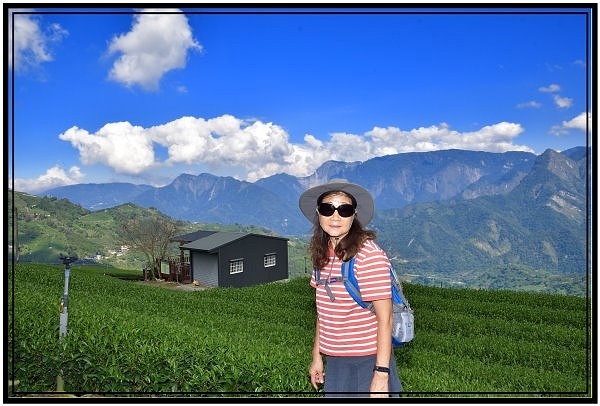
346, 248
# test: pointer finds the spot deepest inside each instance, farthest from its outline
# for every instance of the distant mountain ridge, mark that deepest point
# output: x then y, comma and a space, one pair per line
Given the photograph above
394, 181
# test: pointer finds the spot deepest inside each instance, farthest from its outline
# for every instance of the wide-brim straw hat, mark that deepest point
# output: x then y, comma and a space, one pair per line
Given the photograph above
365, 206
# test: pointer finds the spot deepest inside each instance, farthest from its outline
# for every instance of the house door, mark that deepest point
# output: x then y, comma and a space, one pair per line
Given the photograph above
205, 269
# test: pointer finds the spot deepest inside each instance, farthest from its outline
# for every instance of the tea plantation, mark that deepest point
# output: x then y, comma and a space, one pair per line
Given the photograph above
130, 339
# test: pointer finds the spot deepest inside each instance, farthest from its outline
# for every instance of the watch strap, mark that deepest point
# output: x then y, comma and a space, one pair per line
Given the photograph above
381, 369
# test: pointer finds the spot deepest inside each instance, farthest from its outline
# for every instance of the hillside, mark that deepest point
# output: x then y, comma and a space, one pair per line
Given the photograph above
48, 227
533, 237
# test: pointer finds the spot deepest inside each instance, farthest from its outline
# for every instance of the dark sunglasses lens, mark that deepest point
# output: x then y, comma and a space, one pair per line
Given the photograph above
327, 209
345, 210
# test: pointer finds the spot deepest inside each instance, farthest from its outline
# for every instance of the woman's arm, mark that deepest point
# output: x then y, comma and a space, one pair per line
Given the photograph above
383, 312
317, 375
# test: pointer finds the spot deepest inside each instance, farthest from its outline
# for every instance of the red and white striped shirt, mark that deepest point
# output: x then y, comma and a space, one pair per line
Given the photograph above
345, 328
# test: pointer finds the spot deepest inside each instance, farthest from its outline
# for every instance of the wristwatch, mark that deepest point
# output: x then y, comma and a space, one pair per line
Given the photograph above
381, 369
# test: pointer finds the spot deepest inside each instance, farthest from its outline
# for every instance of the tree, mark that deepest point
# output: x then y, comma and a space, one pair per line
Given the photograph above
150, 235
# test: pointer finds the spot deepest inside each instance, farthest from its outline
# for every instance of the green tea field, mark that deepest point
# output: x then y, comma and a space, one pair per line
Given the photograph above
127, 338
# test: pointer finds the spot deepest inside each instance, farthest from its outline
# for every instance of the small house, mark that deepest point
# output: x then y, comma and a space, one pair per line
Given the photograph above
235, 259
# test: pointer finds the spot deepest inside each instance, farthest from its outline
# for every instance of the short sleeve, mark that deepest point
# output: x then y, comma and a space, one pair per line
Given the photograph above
372, 270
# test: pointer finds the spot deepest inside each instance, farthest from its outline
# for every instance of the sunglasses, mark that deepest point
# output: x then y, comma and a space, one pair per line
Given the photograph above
327, 209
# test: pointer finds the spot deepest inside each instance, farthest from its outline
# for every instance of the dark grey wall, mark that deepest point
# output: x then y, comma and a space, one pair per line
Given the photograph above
253, 249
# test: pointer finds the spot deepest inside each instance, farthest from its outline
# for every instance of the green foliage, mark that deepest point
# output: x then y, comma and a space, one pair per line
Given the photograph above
128, 338
464, 243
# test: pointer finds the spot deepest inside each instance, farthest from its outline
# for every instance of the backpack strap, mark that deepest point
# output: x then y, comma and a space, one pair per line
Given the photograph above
354, 290
397, 293
352, 284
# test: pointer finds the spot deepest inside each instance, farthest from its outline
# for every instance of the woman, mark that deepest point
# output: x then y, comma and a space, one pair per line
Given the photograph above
356, 343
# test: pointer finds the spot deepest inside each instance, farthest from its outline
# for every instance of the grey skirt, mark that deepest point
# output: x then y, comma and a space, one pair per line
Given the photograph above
351, 376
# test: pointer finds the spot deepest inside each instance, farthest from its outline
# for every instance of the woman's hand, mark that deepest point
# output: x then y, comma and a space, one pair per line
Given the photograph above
379, 384
317, 375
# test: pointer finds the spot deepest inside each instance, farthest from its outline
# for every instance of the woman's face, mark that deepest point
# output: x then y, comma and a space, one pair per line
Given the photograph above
335, 225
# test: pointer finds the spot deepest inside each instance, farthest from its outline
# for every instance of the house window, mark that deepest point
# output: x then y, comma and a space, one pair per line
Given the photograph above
270, 260
236, 266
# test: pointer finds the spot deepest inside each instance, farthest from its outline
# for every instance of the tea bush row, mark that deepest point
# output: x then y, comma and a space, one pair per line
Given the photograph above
129, 338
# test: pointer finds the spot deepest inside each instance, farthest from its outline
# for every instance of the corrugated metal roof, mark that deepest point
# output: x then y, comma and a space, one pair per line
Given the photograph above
214, 241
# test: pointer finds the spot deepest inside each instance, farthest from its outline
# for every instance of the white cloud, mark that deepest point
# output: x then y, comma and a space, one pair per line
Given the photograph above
32, 42
579, 122
494, 138
54, 177
123, 147
224, 141
156, 44
582, 122
562, 102
553, 88
264, 149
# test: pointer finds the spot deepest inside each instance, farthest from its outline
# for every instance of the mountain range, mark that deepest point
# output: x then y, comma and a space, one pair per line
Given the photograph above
449, 212
394, 181
539, 226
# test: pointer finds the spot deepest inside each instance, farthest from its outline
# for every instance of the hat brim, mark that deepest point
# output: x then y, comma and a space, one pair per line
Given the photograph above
365, 207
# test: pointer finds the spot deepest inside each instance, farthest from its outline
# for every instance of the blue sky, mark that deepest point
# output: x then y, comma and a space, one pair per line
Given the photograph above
119, 96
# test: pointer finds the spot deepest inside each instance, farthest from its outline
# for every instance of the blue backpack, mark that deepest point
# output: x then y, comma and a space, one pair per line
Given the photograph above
403, 321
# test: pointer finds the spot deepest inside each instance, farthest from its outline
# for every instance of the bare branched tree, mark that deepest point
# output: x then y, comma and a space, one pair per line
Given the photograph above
150, 235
